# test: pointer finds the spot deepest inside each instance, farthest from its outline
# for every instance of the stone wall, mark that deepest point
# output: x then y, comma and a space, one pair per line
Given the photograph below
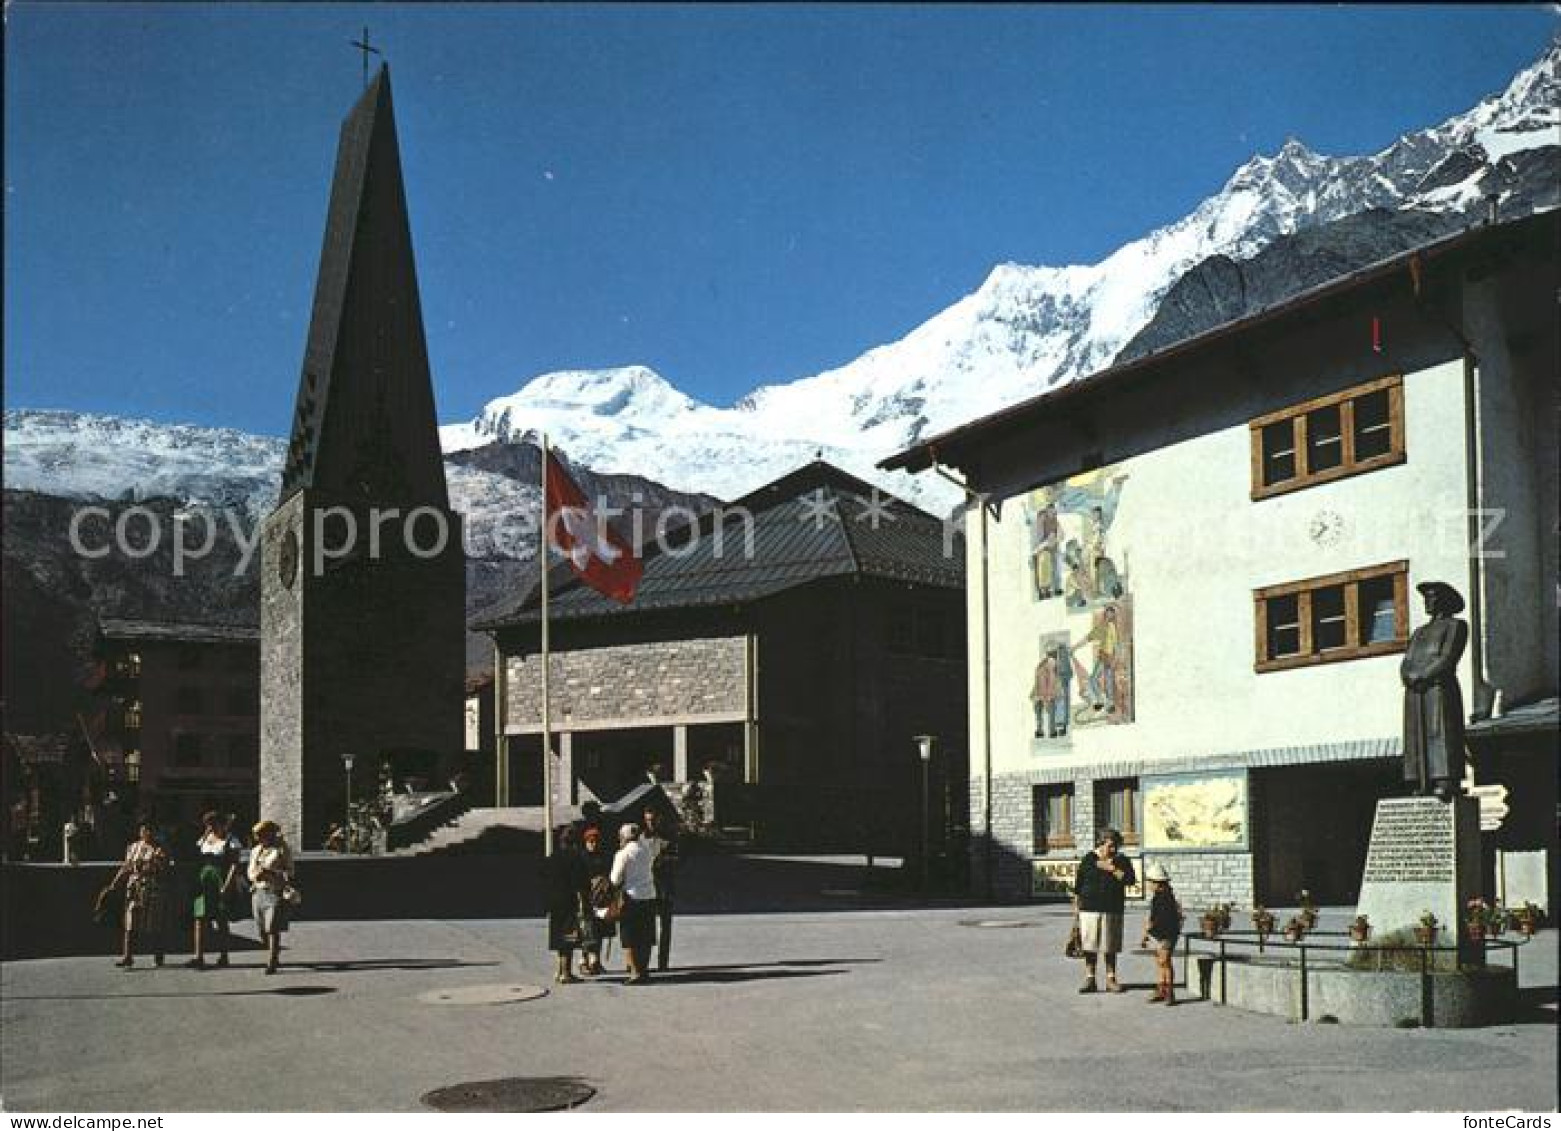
364, 655
631, 684
282, 670
1200, 878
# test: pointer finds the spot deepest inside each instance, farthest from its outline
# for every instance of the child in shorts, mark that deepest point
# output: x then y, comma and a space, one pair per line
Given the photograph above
1161, 930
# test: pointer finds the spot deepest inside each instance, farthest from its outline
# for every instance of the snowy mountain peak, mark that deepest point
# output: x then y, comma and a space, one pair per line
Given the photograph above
1024, 330
629, 396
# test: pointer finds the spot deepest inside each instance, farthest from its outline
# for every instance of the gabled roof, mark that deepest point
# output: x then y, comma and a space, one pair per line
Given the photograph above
956, 445
816, 522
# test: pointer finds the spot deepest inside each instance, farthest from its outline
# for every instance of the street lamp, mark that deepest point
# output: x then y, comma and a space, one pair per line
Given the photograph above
924, 747
346, 828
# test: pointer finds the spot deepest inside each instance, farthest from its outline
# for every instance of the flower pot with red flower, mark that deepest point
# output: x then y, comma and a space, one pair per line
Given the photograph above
1482, 919
1308, 909
1360, 929
1525, 919
1262, 923
1295, 930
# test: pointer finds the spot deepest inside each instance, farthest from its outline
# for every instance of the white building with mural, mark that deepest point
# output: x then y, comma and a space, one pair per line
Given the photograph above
1194, 577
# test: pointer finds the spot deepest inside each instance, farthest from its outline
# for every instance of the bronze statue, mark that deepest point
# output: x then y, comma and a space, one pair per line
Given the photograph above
1433, 705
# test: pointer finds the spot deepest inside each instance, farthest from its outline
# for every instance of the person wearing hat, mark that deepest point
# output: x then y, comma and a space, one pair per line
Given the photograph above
1099, 896
270, 875
1433, 704
1162, 928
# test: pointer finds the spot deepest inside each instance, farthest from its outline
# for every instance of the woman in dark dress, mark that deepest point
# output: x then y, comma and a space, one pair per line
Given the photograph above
598, 865
566, 890
216, 884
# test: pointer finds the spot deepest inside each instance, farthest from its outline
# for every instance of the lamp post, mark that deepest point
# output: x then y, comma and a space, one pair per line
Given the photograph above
346, 828
924, 747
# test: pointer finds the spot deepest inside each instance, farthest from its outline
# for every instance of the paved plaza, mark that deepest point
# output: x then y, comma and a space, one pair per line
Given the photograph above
879, 1010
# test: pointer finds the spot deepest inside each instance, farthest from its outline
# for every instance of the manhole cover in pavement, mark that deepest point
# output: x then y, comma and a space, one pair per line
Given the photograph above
515, 1093
505, 993
998, 923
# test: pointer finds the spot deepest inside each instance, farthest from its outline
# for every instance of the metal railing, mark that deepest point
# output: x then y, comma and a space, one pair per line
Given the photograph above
1306, 948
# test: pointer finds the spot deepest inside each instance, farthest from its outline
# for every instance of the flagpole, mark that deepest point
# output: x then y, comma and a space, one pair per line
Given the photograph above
547, 730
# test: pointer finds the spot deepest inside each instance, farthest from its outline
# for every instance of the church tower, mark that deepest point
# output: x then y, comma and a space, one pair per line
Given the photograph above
362, 611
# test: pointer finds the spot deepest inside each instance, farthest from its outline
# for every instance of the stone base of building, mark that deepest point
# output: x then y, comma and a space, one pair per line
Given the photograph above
1307, 822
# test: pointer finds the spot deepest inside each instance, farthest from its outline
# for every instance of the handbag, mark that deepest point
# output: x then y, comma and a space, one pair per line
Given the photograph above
608, 899
1075, 944
615, 908
109, 906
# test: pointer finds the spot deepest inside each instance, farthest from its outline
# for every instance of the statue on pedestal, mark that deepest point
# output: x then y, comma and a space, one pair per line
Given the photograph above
1433, 704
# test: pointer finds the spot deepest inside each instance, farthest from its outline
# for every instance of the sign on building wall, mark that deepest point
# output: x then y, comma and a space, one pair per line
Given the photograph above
1055, 877
1084, 672
1196, 812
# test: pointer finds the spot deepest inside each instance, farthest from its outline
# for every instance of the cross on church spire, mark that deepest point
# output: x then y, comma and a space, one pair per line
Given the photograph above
363, 46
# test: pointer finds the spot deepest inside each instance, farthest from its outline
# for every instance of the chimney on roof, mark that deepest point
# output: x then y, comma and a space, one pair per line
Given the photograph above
1492, 203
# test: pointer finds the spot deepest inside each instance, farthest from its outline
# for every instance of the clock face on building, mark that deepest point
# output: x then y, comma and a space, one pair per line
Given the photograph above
287, 560
1326, 528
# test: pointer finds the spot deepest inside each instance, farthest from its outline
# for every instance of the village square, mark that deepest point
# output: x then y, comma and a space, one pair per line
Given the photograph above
1201, 710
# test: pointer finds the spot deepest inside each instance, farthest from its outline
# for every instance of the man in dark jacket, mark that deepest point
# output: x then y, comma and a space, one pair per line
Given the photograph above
665, 872
1099, 896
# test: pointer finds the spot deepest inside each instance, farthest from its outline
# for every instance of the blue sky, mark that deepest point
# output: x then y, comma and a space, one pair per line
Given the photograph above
734, 195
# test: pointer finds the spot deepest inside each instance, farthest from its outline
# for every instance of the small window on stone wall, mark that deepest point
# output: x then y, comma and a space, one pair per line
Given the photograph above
1052, 817
1119, 805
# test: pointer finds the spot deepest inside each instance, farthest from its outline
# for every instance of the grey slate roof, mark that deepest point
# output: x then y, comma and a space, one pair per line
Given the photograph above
816, 522
171, 632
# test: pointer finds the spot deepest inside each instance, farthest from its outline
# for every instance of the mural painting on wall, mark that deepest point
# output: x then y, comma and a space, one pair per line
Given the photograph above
1084, 673
1070, 540
1196, 812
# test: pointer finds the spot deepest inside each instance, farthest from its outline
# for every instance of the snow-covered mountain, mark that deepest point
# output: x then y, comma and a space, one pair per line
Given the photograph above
87, 456
1025, 330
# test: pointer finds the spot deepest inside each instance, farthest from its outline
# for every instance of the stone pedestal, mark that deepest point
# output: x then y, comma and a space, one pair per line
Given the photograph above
1424, 856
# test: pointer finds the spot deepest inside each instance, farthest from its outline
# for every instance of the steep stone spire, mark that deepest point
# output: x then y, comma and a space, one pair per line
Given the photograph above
364, 426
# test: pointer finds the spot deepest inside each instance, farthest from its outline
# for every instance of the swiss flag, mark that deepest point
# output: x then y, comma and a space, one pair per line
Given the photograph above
595, 552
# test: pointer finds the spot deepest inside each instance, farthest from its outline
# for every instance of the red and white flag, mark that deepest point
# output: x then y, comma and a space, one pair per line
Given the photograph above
600, 558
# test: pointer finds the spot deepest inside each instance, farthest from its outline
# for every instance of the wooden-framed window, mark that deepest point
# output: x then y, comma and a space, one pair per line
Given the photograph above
1052, 817
1343, 616
1332, 437
1119, 805
133, 715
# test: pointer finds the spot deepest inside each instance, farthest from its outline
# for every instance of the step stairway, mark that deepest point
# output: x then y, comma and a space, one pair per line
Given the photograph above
474, 823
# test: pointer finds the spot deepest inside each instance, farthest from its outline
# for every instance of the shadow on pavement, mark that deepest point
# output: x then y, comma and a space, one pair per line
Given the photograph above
697, 975
1537, 1005
279, 991
368, 965
783, 962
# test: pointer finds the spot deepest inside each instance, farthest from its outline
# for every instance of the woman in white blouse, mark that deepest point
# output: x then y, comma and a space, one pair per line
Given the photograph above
270, 874
632, 872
